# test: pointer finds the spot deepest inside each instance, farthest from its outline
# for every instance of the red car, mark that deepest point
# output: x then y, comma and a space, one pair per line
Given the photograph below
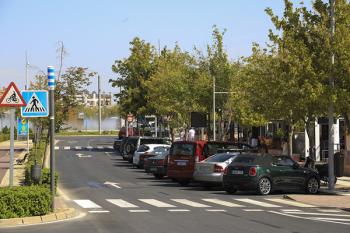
184, 155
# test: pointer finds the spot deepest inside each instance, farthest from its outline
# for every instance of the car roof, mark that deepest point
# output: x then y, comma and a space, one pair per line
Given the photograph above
155, 145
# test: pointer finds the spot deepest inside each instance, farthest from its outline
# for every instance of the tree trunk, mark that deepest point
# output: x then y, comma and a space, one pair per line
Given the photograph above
310, 130
290, 139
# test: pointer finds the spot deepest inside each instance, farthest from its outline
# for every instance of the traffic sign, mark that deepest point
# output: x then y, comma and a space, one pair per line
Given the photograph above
12, 97
37, 104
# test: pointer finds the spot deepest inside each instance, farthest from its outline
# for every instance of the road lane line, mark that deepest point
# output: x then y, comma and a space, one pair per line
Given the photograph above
57, 147
290, 210
98, 211
190, 203
324, 214
66, 148
157, 203
139, 211
258, 203
87, 204
78, 147
253, 210
178, 210
289, 202
100, 147
121, 203
109, 147
89, 147
329, 210
221, 202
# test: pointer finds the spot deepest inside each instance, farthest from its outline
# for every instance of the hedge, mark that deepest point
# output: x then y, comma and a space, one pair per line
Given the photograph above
45, 177
24, 201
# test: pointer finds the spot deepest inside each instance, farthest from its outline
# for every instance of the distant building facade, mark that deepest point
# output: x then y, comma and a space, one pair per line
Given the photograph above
90, 99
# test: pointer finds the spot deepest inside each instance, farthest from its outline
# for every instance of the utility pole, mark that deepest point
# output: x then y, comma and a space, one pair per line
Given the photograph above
52, 84
26, 88
331, 106
99, 104
214, 127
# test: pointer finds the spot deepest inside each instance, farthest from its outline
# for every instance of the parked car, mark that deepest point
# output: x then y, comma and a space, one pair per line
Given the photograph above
122, 146
133, 143
266, 173
211, 170
157, 165
184, 154
117, 143
148, 150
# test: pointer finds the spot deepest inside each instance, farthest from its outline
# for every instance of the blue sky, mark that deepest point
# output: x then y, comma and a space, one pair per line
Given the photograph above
96, 33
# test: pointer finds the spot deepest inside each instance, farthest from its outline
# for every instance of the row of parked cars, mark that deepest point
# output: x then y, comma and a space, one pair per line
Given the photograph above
234, 166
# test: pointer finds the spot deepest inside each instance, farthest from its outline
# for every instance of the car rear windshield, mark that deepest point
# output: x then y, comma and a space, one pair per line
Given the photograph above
161, 149
245, 159
219, 157
183, 149
213, 148
153, 141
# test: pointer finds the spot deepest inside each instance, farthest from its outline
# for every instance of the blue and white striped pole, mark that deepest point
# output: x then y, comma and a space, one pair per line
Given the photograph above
52, 84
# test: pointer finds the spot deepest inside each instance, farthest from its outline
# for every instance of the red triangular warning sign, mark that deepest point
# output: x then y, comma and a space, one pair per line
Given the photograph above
12, 97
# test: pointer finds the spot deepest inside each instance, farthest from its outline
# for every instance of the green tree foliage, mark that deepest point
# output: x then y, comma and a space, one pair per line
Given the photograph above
133, 72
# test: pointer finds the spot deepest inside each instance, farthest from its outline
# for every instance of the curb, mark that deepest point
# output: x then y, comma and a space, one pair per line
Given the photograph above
60, 214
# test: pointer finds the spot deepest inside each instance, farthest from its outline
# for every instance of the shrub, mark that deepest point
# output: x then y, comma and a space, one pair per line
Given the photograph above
24, 201
45, 179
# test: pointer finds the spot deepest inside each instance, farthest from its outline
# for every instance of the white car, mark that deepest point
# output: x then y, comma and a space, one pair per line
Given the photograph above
147, 149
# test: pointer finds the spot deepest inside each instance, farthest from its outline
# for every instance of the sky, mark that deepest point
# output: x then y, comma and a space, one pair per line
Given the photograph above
96, 33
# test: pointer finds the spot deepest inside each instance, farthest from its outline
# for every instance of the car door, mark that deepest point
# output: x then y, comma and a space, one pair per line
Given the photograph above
282, 173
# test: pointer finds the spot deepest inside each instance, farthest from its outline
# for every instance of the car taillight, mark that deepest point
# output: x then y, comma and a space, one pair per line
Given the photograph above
226, 171
252, 171
218, 168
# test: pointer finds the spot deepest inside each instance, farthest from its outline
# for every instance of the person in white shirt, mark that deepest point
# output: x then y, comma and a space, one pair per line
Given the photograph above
191, 134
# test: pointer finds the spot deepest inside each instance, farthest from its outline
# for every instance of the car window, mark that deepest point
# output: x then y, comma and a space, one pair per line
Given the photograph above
183, 149
153, 141
143, 148
283, 161
219, 157
244, 159
161, 149
213, 148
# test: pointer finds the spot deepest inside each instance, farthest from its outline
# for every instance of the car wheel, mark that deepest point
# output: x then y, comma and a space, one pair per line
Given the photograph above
264, 186
184, 182
230, 190
312, 185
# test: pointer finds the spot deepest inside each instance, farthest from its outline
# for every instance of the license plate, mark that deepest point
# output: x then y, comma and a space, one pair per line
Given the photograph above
237, 172
181, 163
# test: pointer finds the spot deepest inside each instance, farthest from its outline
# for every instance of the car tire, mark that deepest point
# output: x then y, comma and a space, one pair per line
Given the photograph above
264, 186
184, 182
230, 190
312, 185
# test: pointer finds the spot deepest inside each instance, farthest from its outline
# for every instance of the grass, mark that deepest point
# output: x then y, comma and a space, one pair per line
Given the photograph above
79, 133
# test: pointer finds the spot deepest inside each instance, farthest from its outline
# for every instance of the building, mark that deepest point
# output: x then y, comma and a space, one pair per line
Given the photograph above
90, 99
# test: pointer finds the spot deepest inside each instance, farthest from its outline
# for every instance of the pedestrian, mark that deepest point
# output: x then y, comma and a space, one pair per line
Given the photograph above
284, 147
191, 134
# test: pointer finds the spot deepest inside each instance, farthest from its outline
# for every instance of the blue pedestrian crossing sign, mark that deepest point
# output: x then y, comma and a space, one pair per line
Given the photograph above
37, 104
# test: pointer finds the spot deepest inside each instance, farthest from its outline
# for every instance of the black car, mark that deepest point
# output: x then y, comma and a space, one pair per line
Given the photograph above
266, 173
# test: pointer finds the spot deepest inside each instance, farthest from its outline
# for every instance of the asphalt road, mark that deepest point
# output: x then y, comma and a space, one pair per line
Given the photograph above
118, 198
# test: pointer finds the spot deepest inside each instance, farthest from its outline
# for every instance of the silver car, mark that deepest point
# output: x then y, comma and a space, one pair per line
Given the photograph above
211, 170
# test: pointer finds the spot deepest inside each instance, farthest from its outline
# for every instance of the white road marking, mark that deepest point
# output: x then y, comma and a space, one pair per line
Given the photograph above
289, 202
223, 203
121, 203
329, 210
290, 210
258, 203
138, 211
57, 147
335, 219
83, 156
110, 147
78, 147
98, 211
190, 203
253, 210
115, 185
324, 214
100, 147
66, 148
157, 203
178, 210
215, 210
89, 147
87, 204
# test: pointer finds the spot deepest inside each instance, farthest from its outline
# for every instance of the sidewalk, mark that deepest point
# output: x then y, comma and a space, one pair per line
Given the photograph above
339, 198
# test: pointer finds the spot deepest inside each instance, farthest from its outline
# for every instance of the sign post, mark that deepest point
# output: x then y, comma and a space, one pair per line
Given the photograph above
52, 84
12, 98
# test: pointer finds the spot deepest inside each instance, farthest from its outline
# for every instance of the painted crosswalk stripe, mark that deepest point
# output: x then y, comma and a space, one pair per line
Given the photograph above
289, 202
138, 211
253, 210
89, 147
66, 148
190, 203
110, 147
223, 203
57, 147
121, 203
290, 210
258, 203
215, 210
329, 210
100, 147
98, 211
325, 214
178, 210
157, 203
87, 204
78, 147
334, 219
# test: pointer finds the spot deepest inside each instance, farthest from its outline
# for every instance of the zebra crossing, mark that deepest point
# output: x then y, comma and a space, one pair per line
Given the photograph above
99, 148
277, 206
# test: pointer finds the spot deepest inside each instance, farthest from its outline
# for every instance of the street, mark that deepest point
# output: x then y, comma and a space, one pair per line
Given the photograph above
119, 198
